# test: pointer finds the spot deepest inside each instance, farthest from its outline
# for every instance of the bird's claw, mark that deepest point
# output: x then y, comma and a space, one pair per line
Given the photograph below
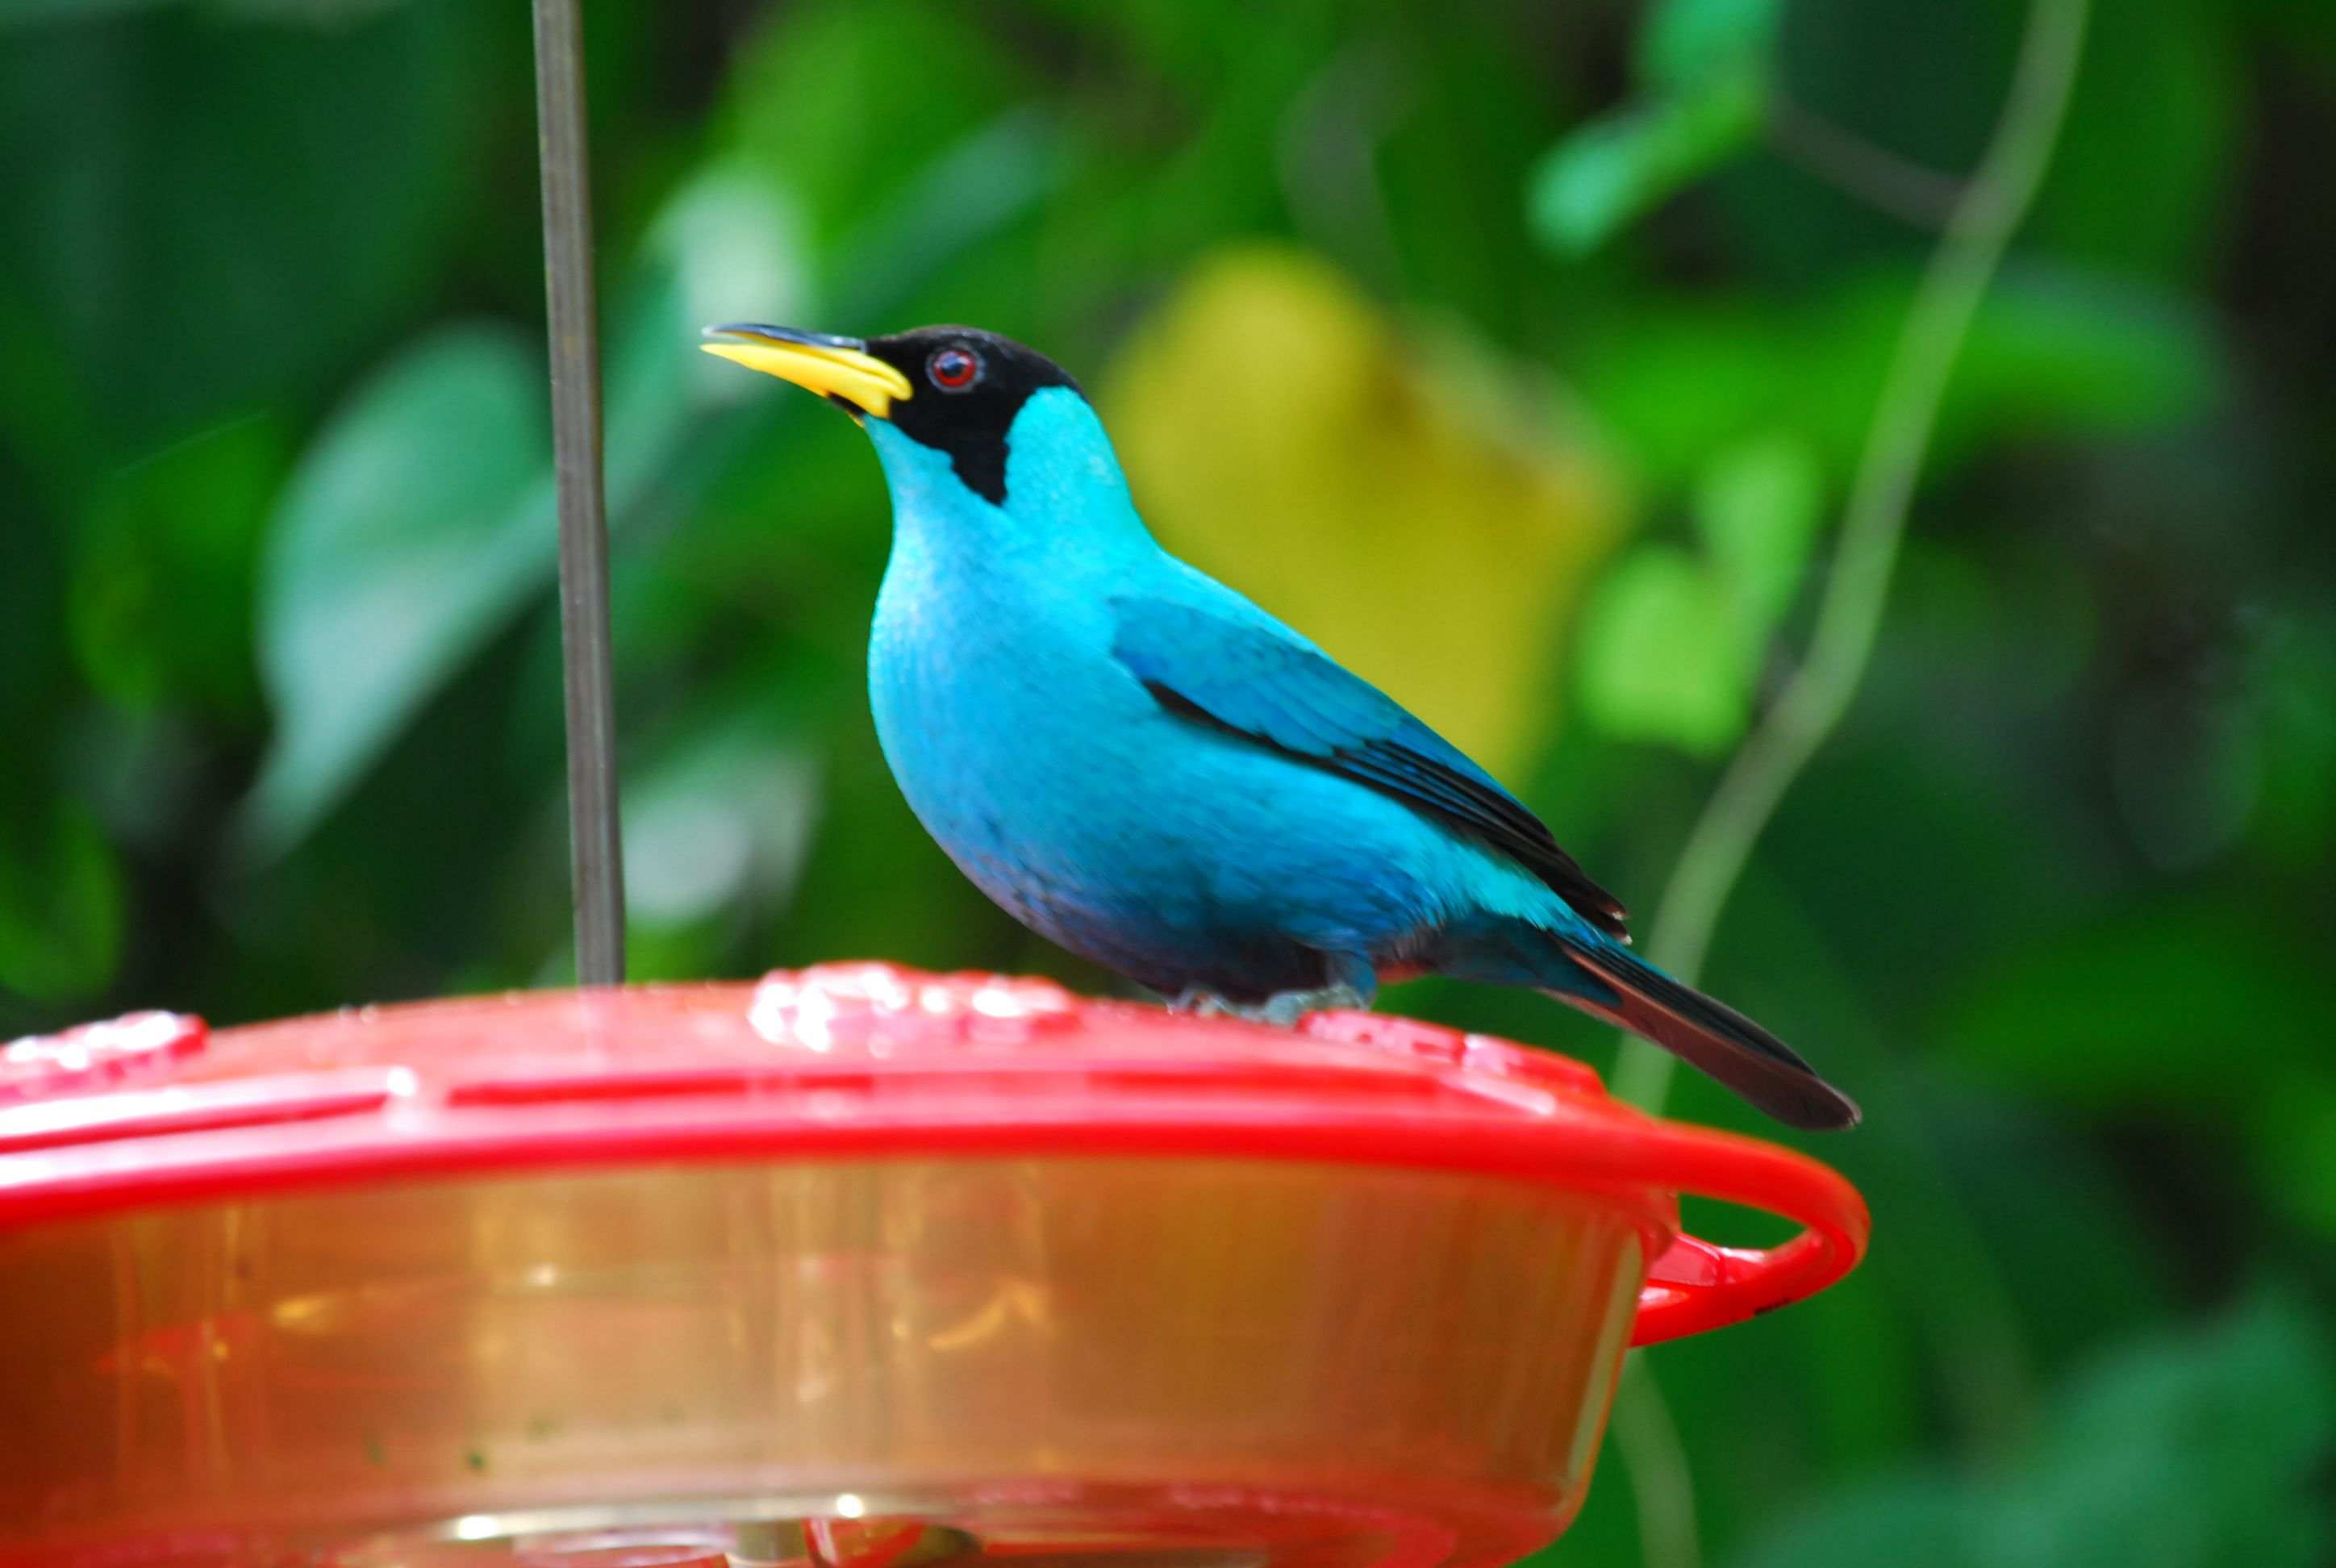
1202, 1003
1281, 1010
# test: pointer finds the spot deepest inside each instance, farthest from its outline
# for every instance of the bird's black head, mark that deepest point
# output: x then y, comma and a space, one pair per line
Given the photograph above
970, 384
956, 389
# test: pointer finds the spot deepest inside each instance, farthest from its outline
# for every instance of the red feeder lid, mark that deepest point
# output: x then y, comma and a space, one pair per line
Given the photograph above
867, 1059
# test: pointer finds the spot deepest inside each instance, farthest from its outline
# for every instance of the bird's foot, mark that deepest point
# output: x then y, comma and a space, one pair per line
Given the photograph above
1285, 1008
1282, 1010
1202, 1003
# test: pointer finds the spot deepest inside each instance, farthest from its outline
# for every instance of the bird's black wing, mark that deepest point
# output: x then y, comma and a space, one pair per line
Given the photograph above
1251, 677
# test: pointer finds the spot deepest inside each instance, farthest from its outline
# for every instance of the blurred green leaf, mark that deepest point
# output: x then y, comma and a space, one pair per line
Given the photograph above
2290, 685
400, 544
2178, 1004
721, 821
1703, 68
1368, 147
420, 523
60, 902
320, 12
1660, 658
50, 13
1685, 44
971, 189
232, 222
2204, 1447
1757, 511
1616, 169
2183, 1451
1922, 1523
2185, 767
2050, 355
842, 107
2159, 99
161, 599
2054, 353
2289, 1144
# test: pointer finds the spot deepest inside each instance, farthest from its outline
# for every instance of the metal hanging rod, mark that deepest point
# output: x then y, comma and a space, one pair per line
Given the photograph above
596, 847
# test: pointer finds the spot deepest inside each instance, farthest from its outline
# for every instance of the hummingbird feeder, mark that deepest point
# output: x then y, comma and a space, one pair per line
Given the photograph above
850, 1269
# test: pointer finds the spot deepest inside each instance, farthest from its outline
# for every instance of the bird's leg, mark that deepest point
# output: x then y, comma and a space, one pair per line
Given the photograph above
1353, 982
1284, 1008
1202, 1003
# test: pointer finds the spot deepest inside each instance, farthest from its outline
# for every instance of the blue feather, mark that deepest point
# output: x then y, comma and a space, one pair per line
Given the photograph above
1257, 677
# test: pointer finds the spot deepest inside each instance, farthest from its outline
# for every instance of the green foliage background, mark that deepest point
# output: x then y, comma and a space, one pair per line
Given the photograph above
1522, 353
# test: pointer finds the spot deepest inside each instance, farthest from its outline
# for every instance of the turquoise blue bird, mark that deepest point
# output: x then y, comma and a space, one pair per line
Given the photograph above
1147, 769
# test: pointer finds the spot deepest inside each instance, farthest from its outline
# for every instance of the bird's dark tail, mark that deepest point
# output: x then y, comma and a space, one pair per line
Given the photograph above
1708, 1035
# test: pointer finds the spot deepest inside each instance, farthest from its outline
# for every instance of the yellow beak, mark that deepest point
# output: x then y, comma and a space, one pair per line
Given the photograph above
837, 367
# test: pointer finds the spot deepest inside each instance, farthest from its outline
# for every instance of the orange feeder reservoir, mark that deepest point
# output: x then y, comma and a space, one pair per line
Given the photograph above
852, 1269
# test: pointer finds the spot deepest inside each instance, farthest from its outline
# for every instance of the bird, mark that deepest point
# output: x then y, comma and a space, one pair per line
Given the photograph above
1151, 771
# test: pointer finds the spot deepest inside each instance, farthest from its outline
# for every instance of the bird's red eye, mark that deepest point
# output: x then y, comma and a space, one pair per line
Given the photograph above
953, 369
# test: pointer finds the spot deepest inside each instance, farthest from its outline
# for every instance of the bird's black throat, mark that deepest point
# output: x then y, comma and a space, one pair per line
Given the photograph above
971, 424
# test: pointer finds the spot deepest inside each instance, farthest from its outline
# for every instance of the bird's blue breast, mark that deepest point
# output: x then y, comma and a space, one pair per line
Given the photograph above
1059, 783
